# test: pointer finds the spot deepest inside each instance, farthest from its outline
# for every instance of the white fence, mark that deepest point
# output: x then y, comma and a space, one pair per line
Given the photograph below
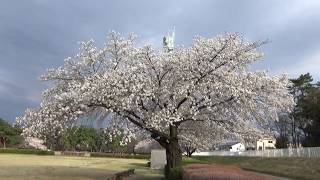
309, 152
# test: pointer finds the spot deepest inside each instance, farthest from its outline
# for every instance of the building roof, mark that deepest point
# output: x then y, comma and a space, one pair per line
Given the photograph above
230, 143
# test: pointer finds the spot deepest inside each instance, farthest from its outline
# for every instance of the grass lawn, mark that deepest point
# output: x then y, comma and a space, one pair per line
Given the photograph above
30, 167
33, 167
295, 168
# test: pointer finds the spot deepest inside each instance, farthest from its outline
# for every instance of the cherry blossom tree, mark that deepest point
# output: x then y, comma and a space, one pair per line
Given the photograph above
196, 136
205, 87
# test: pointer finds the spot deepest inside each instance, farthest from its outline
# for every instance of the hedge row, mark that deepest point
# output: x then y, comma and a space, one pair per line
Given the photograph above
126, 156
26, 151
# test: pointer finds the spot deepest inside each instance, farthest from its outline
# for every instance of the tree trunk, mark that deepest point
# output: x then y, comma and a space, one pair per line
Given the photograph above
188, 154
174, 155
189, 151
173, 150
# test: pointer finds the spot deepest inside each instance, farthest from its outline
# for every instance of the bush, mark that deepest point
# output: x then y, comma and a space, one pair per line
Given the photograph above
26, 151
126, 156
74, 153
175, 173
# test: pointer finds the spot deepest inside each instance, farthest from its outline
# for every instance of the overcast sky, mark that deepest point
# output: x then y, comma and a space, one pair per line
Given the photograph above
39, 34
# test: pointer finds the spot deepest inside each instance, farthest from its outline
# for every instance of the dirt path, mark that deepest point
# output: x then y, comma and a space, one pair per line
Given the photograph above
210, 171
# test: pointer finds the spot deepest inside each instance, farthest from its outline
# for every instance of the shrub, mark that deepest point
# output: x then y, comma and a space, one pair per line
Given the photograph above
175, 173
26, 151
74, 153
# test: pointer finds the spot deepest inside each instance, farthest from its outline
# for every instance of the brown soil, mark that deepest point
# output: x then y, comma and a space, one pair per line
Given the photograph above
219, 172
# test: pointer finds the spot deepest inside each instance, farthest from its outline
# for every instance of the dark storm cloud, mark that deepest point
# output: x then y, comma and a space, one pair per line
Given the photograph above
39, 34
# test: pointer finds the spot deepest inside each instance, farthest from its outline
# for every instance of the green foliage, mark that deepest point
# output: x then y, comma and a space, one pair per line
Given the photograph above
9, 135
175, 173
26, 151
310, 109
300, 90
84, 138
282, 142
81, 138
302, 126
113, 142
306, 114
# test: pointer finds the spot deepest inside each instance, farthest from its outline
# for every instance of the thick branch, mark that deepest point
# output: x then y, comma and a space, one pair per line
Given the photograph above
144, 126
163, 75
135, 119
216, 104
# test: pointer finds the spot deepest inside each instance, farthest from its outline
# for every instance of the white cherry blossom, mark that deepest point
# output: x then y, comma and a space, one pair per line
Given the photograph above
185, 93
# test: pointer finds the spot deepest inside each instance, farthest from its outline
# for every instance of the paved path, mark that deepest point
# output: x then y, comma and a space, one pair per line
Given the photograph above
270, 176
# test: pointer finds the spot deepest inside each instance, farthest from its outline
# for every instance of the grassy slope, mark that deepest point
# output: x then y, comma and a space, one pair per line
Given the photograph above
13, 166
297, 168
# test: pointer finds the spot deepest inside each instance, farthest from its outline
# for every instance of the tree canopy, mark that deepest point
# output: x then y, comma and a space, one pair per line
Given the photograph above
9, 135
302, 125
165, 94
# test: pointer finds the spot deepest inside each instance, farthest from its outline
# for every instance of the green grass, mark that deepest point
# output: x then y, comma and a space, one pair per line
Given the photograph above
296, 168
19, 166
30, 167
126, 156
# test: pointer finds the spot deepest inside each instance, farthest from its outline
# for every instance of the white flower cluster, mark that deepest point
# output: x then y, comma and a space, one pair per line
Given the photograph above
120, 131
207, 87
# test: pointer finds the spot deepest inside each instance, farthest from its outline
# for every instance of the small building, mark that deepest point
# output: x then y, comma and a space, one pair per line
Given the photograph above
232, 147
266, 143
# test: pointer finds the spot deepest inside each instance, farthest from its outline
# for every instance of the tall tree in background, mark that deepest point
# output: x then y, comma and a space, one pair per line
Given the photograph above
160, 92
81, 138
309, 113
283, 127
9, 135
301, 87
300, 127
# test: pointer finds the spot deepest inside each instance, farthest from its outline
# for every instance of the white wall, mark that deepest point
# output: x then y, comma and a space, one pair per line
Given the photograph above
237, 147
308, 152
263, 144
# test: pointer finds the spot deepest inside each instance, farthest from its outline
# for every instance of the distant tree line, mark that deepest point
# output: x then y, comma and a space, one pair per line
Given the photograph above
79, 138
10, 135
83, 138
302, 126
